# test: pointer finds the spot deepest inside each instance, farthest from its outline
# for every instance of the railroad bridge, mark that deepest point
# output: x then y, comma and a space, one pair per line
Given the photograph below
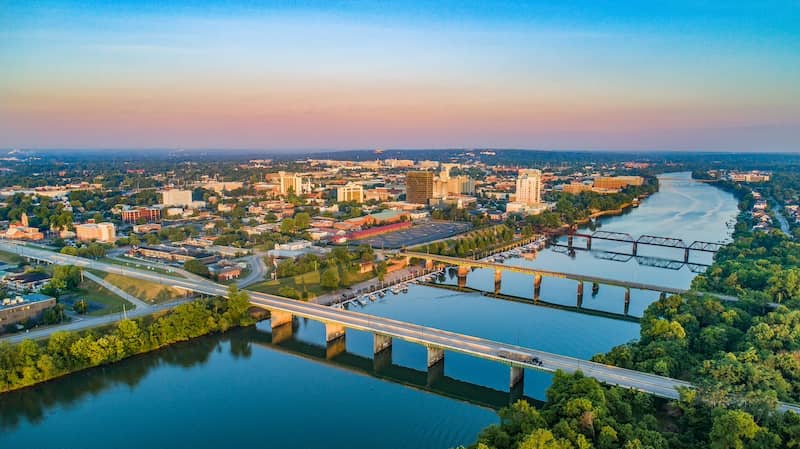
645, 240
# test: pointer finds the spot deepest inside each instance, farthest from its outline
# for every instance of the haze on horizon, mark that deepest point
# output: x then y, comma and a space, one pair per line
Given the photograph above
684, 75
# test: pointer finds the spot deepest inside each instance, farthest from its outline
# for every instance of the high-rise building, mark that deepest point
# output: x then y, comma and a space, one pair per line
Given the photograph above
529, 187
350, 192
292, 182
176, 197
101, 232
419, 187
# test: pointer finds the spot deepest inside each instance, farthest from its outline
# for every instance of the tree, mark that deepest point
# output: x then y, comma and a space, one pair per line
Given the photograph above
196, 267
80, 306
731, 429
288, 226
302, 220
330, 277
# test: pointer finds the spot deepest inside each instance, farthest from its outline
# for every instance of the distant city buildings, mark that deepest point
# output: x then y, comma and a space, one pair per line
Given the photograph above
291, 182
350, 192
617, 182
136, 214
753, 176
529, 187
21, 231
176, 197
101, 232
419, 187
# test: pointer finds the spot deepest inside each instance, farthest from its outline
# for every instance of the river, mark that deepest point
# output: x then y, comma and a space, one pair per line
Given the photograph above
240, 389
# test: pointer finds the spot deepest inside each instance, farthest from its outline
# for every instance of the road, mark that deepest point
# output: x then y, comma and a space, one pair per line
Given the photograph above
258, 270
479, 347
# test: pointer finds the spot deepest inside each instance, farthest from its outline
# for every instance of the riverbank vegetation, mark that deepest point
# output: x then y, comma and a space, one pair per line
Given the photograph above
31, 362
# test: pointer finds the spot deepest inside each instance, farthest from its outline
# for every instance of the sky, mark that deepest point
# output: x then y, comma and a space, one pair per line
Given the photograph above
305, 75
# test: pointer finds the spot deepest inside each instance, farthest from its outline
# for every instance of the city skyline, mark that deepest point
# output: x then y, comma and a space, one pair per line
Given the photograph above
339, 75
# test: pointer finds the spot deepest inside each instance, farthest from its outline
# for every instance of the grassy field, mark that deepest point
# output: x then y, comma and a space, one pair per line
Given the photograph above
144, 290
11, 258
96, 294
308, 282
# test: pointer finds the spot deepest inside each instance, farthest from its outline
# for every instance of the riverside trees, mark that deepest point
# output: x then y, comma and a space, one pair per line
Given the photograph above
29, 362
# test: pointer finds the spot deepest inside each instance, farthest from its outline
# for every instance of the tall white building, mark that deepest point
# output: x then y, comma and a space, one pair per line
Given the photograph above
176, 197
529, 187
350, 192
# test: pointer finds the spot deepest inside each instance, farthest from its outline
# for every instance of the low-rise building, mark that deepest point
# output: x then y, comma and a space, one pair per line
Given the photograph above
18, 309
101, 232
29, 281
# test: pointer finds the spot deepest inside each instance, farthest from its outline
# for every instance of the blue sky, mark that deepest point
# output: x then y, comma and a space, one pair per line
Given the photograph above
282, 75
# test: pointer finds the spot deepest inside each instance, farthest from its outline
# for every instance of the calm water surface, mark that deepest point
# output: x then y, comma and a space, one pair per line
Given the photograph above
240, 389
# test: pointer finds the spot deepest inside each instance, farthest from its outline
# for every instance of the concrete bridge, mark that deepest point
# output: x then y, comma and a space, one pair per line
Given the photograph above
385, 330
466, 265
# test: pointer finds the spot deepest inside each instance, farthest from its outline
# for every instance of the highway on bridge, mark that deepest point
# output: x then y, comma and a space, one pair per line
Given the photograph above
479, 347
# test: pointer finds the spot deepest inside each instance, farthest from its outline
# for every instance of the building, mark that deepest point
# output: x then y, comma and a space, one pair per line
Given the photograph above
529, 187
29, 281
176, 197
172, 253
419, 187
753, 176
223, 186
617, 182
291, 182
21, 308
102, 232
350, 192
22, 231
225, 272
147, 214
575, 188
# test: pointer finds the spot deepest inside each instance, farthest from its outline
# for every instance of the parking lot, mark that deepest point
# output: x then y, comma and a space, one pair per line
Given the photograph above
416, 235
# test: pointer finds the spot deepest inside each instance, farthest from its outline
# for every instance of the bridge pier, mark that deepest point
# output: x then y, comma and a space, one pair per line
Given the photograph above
335, 347
382, 360
498, 278
662, 296
463, 270
380, 343
429, 264
569, 241
517, 377
686, 255
627, 300
334, 331
588, 243
635, 249
595, 288
435, 364
537, 286
278, 318
580, 294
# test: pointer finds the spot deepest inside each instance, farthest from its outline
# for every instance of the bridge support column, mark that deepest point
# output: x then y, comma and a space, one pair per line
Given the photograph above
498, 278
595, 288
335, 347
429, 264
281, 323
589, 243
662, 296
627, 300
569, 241
334, 331
635, 248
580, 294
435, 364
517, 376
278, 318
537, 286
462, 276
382, 360
380, 343
686, 255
